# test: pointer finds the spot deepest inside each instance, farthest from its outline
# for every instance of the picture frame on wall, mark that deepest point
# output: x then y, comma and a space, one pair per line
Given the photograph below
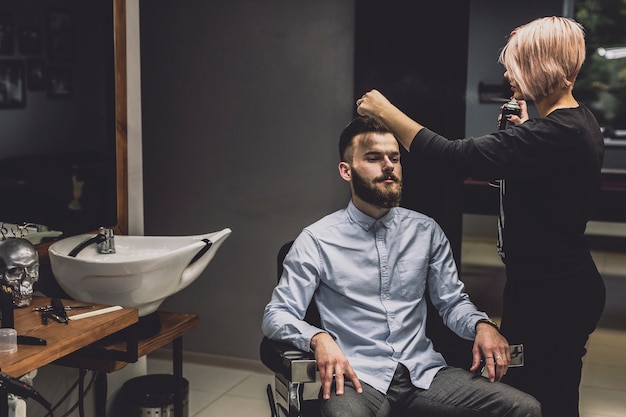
6, 34
61, 35
30, 40
35, 74
12, 84
59, 81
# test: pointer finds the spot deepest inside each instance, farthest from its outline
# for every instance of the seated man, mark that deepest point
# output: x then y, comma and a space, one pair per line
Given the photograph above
368, 268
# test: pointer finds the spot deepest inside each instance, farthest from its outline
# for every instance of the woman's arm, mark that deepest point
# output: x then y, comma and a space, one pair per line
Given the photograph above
375, 105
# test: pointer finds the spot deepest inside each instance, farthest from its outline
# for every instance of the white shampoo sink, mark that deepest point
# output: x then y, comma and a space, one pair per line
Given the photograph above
142, 272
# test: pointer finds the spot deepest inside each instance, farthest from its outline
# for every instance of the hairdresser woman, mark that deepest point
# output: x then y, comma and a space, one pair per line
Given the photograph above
550, 167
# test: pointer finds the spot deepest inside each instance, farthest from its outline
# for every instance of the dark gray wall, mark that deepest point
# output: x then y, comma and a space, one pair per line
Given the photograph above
242, 103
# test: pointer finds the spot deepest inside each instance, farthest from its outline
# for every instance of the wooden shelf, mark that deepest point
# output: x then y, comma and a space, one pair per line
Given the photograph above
173, 326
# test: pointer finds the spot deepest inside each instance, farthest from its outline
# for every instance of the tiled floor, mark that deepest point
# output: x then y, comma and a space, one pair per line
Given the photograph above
219, 389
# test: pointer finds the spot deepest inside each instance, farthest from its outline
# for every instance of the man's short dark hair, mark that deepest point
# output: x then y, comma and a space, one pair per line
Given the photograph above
358, 125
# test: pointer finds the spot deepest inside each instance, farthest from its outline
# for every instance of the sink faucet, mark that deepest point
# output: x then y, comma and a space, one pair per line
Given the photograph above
104, 239
108, 244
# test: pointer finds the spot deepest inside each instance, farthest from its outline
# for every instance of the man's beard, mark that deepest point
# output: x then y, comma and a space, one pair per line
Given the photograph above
386, 197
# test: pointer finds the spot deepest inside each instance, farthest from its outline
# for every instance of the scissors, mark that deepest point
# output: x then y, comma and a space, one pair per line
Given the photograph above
20, 231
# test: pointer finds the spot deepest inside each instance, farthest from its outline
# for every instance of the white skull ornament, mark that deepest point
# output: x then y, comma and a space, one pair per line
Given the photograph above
19, 266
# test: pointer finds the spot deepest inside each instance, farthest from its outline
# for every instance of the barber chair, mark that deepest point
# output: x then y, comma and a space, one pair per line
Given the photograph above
293, 369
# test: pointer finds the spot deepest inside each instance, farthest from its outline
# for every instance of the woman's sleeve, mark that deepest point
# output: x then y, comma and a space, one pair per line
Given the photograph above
526, 150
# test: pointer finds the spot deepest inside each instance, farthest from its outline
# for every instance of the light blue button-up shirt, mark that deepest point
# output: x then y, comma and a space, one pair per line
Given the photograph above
368, 278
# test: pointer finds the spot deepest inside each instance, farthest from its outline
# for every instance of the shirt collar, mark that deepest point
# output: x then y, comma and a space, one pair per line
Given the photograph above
366, 221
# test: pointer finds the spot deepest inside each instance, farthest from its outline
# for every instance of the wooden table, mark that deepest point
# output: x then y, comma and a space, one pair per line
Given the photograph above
86, 343
62, 339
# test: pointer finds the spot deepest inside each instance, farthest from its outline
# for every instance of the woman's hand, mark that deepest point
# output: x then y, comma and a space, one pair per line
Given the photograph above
372, 104
518, 120
375, 105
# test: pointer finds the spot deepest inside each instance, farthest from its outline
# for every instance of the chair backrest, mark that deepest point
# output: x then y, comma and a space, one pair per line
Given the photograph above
312, 315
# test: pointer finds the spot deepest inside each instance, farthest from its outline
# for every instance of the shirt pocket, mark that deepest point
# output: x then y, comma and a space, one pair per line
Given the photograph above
412, 276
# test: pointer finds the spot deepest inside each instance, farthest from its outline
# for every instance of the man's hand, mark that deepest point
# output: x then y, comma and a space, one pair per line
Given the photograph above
332, 362
493, 347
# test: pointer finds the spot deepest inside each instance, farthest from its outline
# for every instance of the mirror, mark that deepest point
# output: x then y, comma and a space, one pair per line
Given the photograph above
601, 84
63, 162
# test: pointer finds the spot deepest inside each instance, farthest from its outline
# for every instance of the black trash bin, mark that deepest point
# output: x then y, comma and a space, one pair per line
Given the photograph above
152, 396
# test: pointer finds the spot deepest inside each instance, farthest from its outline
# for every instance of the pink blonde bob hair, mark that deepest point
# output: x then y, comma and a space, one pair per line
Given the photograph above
544, 55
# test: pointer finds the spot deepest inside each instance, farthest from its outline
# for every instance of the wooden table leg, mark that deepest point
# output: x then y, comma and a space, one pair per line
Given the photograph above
177, 359
101, 388
4, 402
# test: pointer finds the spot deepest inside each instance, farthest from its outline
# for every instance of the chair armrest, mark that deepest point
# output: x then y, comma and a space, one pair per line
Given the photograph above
283, 358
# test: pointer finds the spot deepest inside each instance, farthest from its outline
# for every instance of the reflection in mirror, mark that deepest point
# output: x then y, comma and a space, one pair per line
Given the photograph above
58, 116
601, 84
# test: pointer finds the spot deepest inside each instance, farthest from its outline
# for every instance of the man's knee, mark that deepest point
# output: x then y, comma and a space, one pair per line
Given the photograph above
342, 406
526, 406
352, 404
